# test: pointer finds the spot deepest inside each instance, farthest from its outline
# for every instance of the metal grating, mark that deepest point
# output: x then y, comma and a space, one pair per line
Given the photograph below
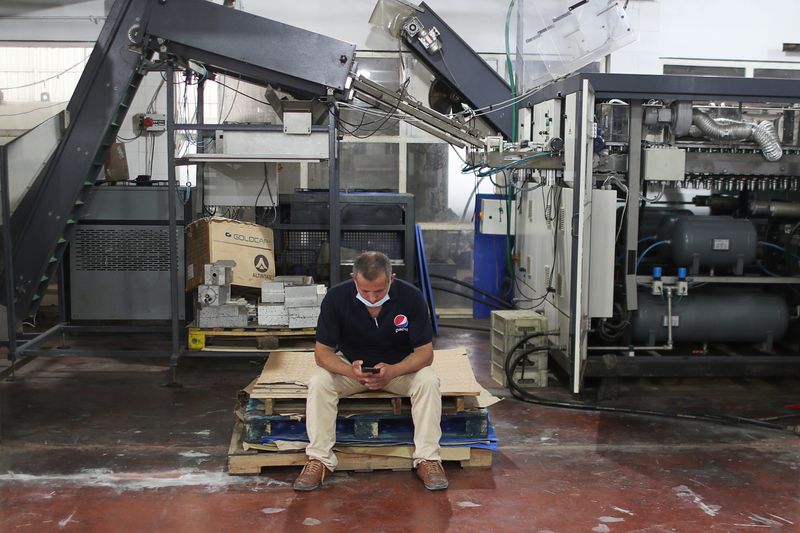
122, 250
301, 247
388, 242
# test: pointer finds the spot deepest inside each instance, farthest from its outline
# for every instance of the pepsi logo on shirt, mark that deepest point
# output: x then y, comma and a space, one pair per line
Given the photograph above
400, 323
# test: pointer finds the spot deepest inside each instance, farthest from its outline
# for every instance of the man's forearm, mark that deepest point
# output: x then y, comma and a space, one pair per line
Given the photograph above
417, 360
327, 359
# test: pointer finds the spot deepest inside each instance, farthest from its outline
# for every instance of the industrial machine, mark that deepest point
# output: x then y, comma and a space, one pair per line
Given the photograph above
311, 71
119, 266
656, 218
668, 242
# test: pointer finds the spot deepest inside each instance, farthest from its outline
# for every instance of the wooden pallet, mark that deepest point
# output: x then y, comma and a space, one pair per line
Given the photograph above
241, 461
367, 402
263, 338
365, 427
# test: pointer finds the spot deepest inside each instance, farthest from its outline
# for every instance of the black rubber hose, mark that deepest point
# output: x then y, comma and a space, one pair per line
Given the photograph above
470, 297
525, 396
470, 286
460, 326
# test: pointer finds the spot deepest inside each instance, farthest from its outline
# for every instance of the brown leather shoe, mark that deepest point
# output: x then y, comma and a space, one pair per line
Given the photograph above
311, 476
432, 475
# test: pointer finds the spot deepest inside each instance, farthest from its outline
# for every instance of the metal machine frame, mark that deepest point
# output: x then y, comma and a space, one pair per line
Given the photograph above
38, 232
141, 36
575, 355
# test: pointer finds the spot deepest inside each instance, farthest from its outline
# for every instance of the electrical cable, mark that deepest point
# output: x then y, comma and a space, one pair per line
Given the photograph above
779, 248
403, 89
31, 84
646, 251
472, 287
461, 326
521, 394
469, 297
33, 110
471, 196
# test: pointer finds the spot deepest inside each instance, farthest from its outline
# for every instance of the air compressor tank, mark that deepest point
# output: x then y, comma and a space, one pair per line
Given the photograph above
651, 219
741, 316
708, 241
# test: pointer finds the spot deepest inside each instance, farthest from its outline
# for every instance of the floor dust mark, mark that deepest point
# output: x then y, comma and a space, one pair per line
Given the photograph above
699, 483
138, 481
610, 519
272, 510
781, 518
685, 493
601, 528
67, 520
760, 521
193, 454
621, 510
203, 433
311, 522
464, 505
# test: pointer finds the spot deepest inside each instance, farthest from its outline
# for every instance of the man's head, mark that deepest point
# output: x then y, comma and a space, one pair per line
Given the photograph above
372, 273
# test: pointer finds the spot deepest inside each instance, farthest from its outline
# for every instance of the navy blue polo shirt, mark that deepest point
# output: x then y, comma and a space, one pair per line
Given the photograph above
403, 324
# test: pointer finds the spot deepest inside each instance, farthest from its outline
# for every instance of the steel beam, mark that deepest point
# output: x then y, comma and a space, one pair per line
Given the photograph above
465, 72
261, 50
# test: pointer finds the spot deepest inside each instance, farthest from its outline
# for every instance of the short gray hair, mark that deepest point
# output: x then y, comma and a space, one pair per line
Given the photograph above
372, 264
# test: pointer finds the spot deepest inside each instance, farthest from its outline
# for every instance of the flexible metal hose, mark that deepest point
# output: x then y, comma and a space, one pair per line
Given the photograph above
763, 133
729, 130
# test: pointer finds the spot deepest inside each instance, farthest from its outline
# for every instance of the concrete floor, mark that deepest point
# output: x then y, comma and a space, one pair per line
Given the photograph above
102, 445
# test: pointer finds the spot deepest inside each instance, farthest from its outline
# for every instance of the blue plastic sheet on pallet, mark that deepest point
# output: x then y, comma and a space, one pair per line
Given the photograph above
467, 428
489, 443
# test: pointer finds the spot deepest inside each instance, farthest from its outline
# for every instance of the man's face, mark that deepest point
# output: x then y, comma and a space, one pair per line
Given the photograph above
372, 291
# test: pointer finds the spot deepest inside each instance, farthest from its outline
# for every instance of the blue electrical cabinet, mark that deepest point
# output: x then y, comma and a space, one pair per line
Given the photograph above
489, 260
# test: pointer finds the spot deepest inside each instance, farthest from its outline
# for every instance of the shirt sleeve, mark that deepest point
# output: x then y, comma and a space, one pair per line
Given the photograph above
420, 331
328, 325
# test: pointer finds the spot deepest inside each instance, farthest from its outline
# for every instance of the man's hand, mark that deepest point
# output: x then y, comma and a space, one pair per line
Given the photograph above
381, 379
373, 381
358, 375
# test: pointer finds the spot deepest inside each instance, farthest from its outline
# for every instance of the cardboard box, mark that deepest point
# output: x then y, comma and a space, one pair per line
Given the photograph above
215, 238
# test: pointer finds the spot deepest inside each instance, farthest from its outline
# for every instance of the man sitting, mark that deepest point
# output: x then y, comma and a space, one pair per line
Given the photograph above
380, 325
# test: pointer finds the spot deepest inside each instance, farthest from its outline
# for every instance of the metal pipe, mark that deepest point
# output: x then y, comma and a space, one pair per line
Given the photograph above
669, 317
11, 310
334, 218
629, 348
173, 228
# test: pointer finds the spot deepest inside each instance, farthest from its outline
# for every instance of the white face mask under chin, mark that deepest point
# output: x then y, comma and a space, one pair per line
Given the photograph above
370, 304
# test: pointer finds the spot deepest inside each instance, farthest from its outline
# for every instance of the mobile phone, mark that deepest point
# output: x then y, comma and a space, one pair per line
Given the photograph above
370, 370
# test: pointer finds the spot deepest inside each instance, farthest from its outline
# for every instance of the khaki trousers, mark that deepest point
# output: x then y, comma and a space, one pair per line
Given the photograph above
325, 389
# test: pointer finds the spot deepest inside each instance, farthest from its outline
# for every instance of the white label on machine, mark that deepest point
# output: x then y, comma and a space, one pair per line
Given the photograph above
676, 321
722, 244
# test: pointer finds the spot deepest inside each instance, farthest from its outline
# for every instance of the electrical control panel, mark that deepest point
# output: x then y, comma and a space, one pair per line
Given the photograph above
496, 218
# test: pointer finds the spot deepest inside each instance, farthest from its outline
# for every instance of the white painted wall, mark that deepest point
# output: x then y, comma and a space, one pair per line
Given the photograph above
707, 29
74, 20
732, 30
